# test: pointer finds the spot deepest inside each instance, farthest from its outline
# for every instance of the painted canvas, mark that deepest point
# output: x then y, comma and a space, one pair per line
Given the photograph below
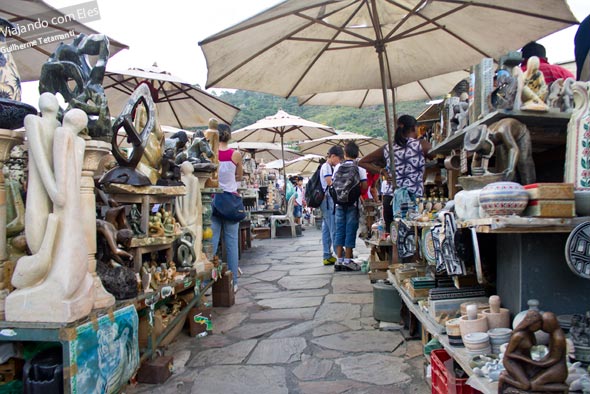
106, 353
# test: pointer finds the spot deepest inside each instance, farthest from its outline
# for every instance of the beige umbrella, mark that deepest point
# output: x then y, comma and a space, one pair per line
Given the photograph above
178, 103
304, 165
265, 150
42, 29
301, 47
284, 128
425, 89
320, 146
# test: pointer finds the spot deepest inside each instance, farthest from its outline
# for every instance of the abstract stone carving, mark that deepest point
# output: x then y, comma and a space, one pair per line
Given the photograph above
126, 172
70, 62
54, 283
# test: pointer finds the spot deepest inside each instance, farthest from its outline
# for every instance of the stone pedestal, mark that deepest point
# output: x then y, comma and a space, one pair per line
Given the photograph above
206, 198
8, 140
95, 151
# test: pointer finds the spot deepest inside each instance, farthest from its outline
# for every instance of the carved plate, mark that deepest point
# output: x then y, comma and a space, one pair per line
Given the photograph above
577, 250
428, 246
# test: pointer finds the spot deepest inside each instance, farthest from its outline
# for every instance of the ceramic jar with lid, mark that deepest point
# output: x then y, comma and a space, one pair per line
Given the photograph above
503, 199
542, 337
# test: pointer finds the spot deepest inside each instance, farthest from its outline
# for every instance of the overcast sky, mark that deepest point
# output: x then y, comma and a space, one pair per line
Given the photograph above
168, 31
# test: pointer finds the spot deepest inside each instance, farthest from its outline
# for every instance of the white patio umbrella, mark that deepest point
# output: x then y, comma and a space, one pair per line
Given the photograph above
177, 102
40, 41
284, 128
425, 89
320, 146
304, 165
265, 150
301, 47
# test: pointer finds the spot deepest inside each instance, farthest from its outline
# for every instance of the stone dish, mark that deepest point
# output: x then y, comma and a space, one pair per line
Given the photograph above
12, 113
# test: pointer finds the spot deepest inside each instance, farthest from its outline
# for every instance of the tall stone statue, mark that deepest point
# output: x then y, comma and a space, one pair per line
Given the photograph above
212, 135
189, 209
65, 292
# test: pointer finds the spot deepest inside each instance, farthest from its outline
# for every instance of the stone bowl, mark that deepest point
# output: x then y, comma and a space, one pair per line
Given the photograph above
474, 182
582, 353
582, 199
12, 113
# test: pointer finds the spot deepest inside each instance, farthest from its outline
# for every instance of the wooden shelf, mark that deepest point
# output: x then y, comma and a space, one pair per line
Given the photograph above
531, 119
149, 241
436, 330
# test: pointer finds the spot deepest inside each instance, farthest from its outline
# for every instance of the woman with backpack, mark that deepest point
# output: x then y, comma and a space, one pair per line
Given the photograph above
348, 183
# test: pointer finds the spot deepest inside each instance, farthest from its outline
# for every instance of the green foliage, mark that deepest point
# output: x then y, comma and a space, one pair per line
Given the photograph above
369, 121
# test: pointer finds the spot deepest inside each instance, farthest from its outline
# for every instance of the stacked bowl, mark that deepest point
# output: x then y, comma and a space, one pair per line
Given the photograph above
499, 336
477, 343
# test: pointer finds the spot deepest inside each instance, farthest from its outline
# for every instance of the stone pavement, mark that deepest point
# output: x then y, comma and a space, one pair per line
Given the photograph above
296, 327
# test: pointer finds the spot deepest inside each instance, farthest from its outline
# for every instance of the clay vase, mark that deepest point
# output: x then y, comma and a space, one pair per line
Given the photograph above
542, 337
497, 317
503, 199
472, 322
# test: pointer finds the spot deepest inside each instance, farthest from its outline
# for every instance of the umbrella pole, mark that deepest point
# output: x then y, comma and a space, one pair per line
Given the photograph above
284, 169
380, 50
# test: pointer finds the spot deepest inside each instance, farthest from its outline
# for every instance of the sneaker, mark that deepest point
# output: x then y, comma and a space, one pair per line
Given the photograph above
235, 288
330, 260
338, 266
350, 265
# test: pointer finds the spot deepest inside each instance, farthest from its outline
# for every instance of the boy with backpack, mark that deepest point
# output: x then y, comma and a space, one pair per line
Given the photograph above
348, 183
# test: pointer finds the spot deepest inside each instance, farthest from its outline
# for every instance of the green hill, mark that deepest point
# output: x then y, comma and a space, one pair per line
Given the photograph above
369, 121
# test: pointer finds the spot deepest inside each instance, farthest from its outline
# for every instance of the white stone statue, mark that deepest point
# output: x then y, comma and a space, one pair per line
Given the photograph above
65, 292
189, 209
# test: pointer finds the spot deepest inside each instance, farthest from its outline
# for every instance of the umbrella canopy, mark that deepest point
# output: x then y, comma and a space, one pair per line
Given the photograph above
320, 146
304, 165
265, 150
425, 89
301, 47
39, 41
284, 128
178, 103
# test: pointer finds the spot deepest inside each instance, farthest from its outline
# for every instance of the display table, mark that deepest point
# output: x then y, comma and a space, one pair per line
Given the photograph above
99, 350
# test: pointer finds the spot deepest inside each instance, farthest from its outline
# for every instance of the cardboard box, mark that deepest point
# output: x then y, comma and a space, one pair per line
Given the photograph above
155, 371
223, 291
550, 191
200, 320
551, 209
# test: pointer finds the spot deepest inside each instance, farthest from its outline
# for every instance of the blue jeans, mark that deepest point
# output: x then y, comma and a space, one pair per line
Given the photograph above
230, 242
297, 211
347, 224
328, 226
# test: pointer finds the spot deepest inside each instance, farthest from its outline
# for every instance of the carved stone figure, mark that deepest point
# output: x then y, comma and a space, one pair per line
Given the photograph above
151, 159
170, 175
14, 172
212, 135
54, 283
514, 149
503, 96
198, 153
534, 89
561, 94
134, 221
70, 62
127, 171
156, 227
523, 374
114, 261
189, 210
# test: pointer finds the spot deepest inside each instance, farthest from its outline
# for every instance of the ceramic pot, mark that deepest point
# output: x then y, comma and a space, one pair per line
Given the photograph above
480, 324
542, 337
498, 337
503, 199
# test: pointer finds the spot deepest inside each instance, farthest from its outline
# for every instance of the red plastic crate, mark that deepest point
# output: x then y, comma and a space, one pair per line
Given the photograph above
440, 378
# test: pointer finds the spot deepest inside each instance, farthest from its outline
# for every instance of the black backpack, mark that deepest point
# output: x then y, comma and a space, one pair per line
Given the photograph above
346, 184
314, 192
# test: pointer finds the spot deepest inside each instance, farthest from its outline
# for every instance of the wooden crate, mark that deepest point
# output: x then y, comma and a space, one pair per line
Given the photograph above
551, 209
261, 232
550, 191
377, 275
